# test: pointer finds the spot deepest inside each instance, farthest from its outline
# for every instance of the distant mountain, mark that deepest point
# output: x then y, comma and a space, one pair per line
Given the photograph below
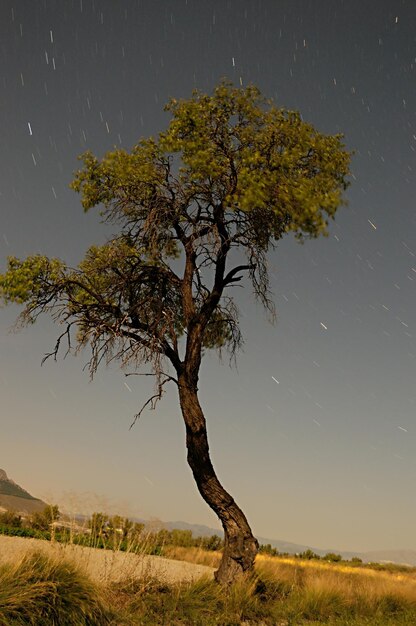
402, 557
15, 498
198, 530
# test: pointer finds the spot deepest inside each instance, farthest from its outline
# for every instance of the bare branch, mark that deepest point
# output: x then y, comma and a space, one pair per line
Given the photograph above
55, 351
168, 376
153, 400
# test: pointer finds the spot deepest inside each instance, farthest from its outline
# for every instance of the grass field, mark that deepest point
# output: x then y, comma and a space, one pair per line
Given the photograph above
54, 586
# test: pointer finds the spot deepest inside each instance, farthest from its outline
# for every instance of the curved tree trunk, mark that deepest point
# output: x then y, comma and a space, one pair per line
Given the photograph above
240, 546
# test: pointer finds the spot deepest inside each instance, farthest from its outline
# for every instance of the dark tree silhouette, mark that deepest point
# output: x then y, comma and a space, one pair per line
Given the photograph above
231, 175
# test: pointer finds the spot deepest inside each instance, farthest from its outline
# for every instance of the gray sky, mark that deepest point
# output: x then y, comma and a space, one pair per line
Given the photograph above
314, 434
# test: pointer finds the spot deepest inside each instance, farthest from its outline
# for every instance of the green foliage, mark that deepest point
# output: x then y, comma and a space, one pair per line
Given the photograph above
212, 543
115, 533
30, 279
181, 538
12, 531
184, 538
257, 158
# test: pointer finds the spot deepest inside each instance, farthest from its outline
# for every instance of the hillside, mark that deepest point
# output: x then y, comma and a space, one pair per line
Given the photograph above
15, 498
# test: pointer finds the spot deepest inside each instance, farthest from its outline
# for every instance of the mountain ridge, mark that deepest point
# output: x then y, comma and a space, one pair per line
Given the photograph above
399, 556
15, 498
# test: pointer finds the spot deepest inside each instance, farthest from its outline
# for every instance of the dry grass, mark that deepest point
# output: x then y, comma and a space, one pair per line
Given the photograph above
319, 589
131, 589
44, 590
350, 580
193, 555
105, 566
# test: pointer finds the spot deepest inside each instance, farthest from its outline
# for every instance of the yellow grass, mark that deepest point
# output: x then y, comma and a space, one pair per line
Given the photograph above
350, 586
351, 583
193, 555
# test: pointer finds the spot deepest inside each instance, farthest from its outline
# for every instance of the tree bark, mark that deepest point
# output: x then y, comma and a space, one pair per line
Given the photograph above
240, 546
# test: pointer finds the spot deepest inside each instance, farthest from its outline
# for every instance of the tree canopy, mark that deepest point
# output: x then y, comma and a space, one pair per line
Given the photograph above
231, 171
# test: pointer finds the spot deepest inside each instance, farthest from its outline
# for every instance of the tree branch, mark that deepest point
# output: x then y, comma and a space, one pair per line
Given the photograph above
153, 400
231, 274
55, 351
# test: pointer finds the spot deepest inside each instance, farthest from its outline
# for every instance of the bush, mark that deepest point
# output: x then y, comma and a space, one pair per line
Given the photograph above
212, 543
10, 518
332, 557
24, 532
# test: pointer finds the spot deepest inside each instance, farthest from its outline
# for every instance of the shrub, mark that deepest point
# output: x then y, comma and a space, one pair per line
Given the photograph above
212, 543
332, 557
10, 518
24, 532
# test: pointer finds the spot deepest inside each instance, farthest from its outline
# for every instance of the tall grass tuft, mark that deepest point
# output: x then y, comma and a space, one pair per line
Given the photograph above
200, 603
42, 590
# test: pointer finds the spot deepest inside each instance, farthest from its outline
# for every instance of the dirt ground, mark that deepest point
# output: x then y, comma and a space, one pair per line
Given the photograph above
105, 565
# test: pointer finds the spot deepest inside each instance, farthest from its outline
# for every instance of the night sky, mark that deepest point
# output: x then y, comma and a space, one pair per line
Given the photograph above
314, 433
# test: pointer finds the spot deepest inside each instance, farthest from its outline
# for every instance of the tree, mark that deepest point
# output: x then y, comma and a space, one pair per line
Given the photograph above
308, 555
119, 529
43, 520
10, 518
98, 524
182, 538
197, 209
211, 543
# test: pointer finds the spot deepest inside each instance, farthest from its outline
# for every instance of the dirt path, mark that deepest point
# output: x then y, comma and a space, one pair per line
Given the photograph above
106, 565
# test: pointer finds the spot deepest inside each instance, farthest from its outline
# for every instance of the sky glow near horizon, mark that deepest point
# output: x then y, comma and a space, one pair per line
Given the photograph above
314, 433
